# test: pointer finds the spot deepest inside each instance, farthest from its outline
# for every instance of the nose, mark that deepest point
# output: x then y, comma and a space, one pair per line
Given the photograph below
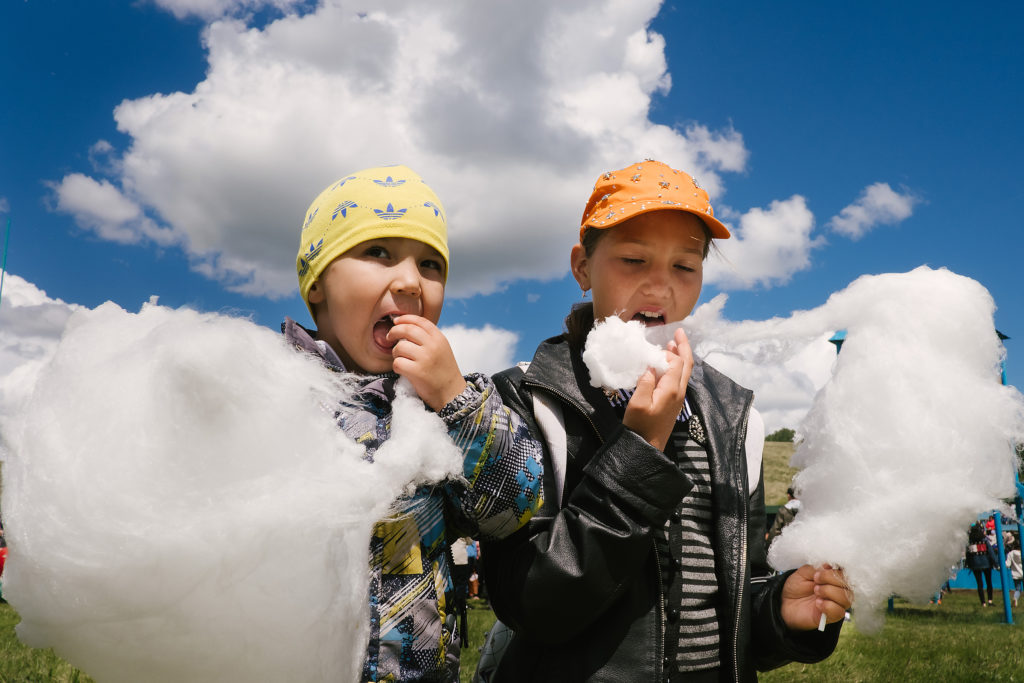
656, 281
406, 278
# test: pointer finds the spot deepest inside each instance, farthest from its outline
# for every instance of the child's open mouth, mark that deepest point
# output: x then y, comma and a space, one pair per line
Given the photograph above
381, 329
650, 318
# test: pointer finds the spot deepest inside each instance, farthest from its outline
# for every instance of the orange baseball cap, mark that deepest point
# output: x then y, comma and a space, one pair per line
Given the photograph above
647, 186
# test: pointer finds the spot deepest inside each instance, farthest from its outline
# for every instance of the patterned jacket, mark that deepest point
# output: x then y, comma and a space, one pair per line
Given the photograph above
413, 637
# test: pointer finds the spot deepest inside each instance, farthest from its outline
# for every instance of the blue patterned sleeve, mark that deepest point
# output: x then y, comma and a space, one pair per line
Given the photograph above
501, 463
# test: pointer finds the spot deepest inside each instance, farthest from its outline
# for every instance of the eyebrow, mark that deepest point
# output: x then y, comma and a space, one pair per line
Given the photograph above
695, 250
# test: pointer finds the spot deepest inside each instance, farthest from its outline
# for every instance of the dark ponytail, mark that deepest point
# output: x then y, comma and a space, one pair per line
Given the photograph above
578, 324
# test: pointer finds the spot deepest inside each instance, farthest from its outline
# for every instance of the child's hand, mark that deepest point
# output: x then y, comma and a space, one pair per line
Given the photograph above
655, 405
424, 357
809, 592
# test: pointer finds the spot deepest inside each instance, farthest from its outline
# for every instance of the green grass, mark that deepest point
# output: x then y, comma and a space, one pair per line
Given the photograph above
481, 618
22, 664
778, 475
956, 641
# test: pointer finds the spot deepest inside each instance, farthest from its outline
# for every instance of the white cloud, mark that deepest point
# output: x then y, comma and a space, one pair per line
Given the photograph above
510, 111
487, 350
213, 9
766, 248
102, 208
5, 206
31, 324
878, 204
785, 373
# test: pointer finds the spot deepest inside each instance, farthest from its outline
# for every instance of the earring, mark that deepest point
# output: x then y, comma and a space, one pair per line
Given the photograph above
583, 296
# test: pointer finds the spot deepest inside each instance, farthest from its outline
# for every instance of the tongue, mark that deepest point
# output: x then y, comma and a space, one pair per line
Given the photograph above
380, 333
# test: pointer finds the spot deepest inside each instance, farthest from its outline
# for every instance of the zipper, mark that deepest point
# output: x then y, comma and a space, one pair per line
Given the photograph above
571, 401
659, 650
743, 531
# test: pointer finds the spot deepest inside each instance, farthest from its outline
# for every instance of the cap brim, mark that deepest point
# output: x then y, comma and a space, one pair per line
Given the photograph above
715, 226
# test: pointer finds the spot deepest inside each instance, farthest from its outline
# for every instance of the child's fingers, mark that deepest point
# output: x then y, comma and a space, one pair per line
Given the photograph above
672, 384
404, 348
416, 320
836, 594
828, 574
409, 332
680, 338
645, 386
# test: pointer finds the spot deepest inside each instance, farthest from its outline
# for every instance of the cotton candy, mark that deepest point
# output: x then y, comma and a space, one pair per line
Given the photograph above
618, 352
180, 504
909, 441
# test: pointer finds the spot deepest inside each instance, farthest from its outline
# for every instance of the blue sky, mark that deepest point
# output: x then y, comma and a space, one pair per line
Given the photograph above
788, 112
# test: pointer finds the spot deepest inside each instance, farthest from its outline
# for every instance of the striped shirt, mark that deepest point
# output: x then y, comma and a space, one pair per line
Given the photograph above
688, 564
686, 556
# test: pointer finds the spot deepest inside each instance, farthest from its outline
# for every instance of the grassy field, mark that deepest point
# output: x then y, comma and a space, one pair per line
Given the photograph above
778, 475
956, 641
21, 664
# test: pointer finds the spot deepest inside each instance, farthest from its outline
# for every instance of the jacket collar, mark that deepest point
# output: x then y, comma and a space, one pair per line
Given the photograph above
556, 369
380, 387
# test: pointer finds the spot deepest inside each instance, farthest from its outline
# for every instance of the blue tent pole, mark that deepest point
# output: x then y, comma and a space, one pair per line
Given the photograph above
3, 270
1004, 572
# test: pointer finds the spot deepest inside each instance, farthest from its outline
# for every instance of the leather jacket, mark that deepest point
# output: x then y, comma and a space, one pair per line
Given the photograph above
580, 583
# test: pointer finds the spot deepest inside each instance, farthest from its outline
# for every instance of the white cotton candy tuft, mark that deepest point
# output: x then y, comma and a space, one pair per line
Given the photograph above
617, 352
908, 442
181, 505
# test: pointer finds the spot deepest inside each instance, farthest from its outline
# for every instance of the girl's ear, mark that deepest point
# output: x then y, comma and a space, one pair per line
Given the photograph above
316, 293
580, 266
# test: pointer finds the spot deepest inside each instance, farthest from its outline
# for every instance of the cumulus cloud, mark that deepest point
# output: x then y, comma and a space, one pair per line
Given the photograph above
31, 324
213, 9
101, 207
766, 248
487, 350
877, 205
785, 373
510, 111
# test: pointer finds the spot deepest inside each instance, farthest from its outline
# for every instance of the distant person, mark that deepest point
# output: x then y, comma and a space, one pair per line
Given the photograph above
472, 552
1013, 561
785, 515
460, 578
3, 559
981, 558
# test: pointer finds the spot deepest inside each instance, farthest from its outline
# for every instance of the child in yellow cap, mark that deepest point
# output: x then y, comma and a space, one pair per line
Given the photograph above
647, 559
372, 265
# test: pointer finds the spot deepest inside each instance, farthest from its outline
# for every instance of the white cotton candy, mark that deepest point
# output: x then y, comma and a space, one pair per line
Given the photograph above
908, 442
180, 504
617, 352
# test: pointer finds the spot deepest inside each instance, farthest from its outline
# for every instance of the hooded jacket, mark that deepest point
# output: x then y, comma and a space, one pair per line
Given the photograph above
580, 583
413, 634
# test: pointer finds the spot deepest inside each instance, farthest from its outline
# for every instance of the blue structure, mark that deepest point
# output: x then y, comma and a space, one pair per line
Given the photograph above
1002, 578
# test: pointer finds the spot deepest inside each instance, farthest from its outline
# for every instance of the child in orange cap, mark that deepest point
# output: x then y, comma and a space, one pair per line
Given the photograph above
647, 559
372, 265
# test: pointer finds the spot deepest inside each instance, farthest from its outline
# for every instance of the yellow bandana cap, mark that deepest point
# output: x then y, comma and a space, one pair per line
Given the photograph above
386, 201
